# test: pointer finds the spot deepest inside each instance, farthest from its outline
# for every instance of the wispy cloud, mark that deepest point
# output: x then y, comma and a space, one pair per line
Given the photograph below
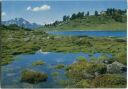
41, 8
3, 14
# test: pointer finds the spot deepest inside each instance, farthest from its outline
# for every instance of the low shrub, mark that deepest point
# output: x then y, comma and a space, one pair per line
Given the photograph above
83, 84
55, 74
122, 58
32, 76
81, 58
85, 70
109, 81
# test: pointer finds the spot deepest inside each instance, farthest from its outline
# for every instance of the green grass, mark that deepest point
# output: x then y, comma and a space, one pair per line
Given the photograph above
81, 58
17, 42
89, 23
93, 75
84, 70
32, 76
39, 62
121, 57
54, 74
59, 66
82, 84
109, 81
83, 73
95, 27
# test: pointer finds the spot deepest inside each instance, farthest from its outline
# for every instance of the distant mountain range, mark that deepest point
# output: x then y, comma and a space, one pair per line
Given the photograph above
22, 23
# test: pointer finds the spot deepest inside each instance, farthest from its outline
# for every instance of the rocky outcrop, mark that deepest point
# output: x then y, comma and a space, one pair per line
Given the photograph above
116, 67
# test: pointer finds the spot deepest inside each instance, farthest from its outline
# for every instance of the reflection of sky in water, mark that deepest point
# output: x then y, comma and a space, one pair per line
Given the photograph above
11, 72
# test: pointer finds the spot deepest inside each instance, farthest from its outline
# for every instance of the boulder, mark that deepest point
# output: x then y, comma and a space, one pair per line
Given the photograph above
116, 67
88, 75
105, 61
26, 39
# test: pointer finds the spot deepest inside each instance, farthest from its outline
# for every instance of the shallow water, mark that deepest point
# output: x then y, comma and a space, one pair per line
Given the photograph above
11, 72
90, 33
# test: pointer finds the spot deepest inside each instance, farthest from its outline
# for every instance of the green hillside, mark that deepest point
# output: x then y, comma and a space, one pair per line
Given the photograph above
103, 21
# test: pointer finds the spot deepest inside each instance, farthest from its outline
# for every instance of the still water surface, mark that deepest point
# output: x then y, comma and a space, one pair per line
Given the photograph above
11, 73
90, 33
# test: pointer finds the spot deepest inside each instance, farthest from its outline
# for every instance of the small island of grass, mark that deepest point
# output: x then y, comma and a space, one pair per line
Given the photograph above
37, 63
54, 74
59, 66
32, 76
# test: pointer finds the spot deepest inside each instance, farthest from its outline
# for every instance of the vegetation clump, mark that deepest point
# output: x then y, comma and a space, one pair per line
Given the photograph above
39, 62
82, 84
104, 58
55, 74
59, 66
122, 57
109, 81
97, 74
85, 70
32, 76
81, 58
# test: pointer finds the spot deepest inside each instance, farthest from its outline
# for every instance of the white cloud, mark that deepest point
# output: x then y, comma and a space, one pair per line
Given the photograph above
41, 8
3, 14
29, 8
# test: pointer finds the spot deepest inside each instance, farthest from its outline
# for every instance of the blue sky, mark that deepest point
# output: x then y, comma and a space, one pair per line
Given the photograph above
43, 12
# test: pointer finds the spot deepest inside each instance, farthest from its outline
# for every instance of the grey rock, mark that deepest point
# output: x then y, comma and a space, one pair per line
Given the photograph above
116, 67
27, 39
88, 76
105, 61
97, 73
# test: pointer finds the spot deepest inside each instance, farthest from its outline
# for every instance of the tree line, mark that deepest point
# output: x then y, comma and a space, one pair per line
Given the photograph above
112, 12
116, 14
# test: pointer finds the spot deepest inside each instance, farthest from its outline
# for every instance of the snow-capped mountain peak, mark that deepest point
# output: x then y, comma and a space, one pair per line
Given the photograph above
22, 23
